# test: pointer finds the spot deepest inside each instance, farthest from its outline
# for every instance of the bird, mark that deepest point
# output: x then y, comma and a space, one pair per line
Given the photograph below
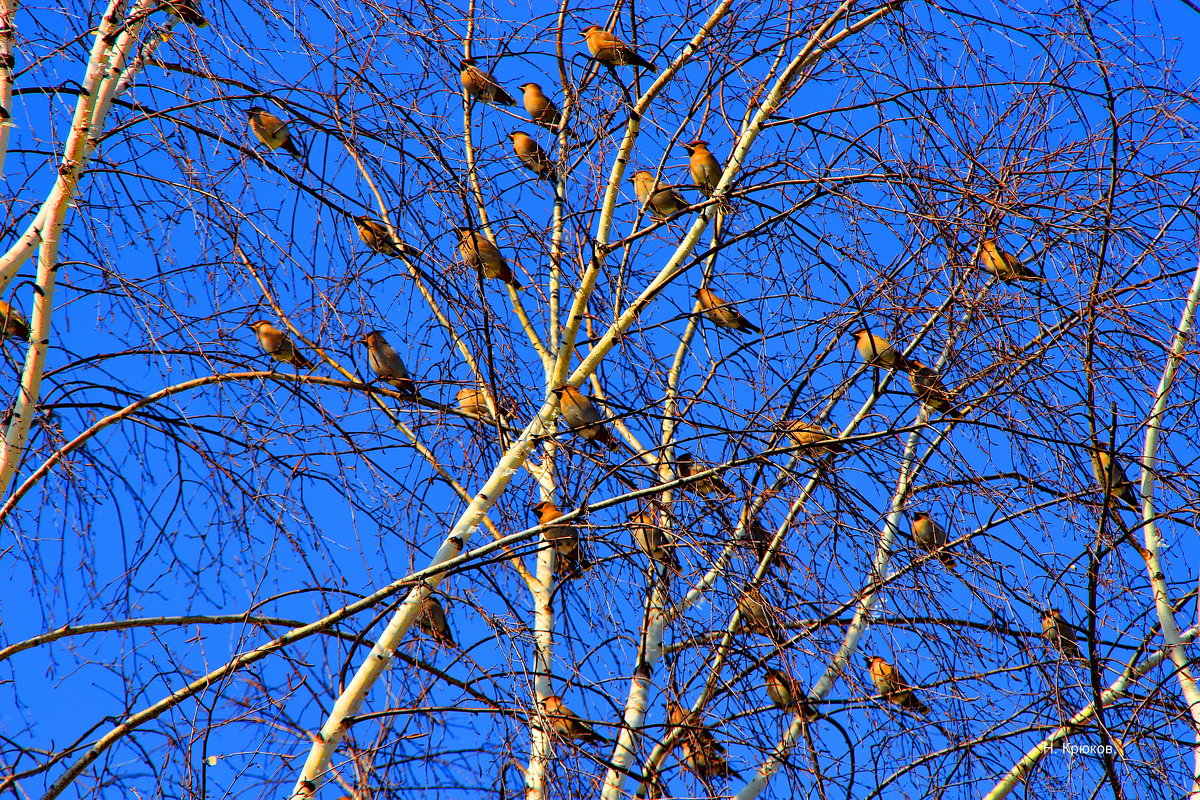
652, 538
1111, 476
564, 538
272, 131
931, 538
481, 85
583, 417
759, 540
786, 694
376, 236
541, 108
531, 154
278, 345
565, 722
877, 351
995, 261
188, 12
611, 51
477, 402
481, 253
722, 313
15, 324
892, 686
930, 390
387, 365
703, 755
686, 466
706, 170
1061, 634
757, 615
663, 201
432, 620
816, 440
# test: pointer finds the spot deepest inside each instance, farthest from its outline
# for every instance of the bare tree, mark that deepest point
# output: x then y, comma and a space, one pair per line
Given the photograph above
709, 400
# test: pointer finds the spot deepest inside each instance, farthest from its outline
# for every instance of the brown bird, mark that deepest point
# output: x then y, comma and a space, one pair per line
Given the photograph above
481, 253
930, 390
722, 313
531, 154
611, 51
702, 754
377, 237
686, 466
816, 440
541, 108
1061, 634
663, 201
15, 324
759, 540
652, 538
387, 365
278, 345
877, 351
481, 85
272, 131
564, 538
758, 616
583, 417
786, 694
188, 12
706, 170
476, 402
1111, 476
432, 620
994, 260
892, 686
565, 722
931, 538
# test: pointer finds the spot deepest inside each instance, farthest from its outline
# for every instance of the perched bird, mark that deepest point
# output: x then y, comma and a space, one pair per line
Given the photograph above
679, 717
1061, 634
759, 540
722, 313
541, 108
930, 390
892, 686
757, 614
583, 417
611, 51
565, 722
663, 201
565, 538
1111, 476
706, 170
531, 154
877, 351
481, 85
15, 324
786, 694
278, 345
387, 365
476, 402
377, 237
994, 260
432, 620
686, 466
481, 253
702, 754
272, 131
816, 440
931, 538
652, 538
188, 12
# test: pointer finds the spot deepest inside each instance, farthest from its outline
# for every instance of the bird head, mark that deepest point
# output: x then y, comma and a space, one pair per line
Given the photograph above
591, 28
466, 62
694, 145
368, 336
532, 87
257, 324
920, 516
559, 391
461, 232
641, 176
256, 110
514, 134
